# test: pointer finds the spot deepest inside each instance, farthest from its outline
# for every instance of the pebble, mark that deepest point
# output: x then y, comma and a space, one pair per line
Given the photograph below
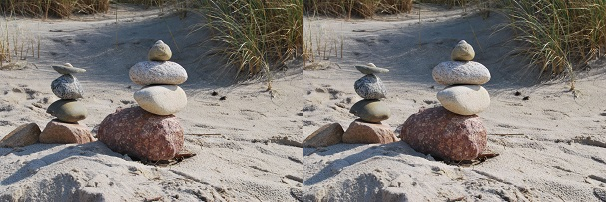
159, 52
67, 68
67, 87
153, 72
464, 99
370, 68
462, 52
161, 99
373, 111
370, 87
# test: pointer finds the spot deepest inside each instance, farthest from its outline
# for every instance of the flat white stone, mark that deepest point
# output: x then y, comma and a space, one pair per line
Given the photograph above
460, 72
161, 99
464, 99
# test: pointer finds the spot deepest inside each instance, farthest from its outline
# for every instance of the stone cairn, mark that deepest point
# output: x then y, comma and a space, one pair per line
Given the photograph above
368, 129
65, 129
150, 131
453, 131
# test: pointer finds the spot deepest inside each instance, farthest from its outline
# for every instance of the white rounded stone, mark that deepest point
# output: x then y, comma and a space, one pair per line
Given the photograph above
462, 52
457, 72
464, 99
154, 72
161, 99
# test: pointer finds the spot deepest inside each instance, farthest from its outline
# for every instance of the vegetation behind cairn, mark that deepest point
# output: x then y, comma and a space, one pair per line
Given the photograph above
359, 8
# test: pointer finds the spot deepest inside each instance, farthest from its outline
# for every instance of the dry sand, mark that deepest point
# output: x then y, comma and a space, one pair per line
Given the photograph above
256, 156
552, 146
242, 153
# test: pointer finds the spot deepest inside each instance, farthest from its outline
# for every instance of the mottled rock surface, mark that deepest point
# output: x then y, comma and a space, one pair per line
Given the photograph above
370, 87
444, 134
464, 99
159, 52
324, 136
161, 99
462, 52
67, 87
373, 111
70, 111
457, 72
57, 132
360, 132
154, 72
26, 134
141, 134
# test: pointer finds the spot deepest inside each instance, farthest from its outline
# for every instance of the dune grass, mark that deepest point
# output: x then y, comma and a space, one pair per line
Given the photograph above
560, 36
257, 36
52, 8
356, 8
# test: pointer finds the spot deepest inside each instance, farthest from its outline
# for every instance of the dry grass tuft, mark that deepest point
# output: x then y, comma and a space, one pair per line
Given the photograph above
358, 8
55, 8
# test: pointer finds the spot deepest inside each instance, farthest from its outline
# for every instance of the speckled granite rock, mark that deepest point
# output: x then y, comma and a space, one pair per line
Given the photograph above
153, 72
360, 132
57, 132
370, 87
456, 72
324, 136
444, 134
67, 87
141, 134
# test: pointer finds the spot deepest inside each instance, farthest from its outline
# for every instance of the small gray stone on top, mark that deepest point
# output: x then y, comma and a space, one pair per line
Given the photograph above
371, 69
67, 68
462, 52
159, 52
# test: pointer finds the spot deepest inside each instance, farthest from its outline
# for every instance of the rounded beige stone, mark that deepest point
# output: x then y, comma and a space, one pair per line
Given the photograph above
159, 52
161, 99
462, 52
464, 99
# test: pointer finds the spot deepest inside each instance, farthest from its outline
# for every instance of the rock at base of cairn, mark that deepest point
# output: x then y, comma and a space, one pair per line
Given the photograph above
141, 134
57, 132
24, 135
360, 132
329, 134
444, 134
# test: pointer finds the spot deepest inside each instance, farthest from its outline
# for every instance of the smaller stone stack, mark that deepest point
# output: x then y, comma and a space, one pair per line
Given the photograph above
368, 129
454, 131
150, 131
65, 129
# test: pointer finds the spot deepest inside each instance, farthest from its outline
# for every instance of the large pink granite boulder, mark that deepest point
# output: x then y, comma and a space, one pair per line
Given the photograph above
444, 134
141, 134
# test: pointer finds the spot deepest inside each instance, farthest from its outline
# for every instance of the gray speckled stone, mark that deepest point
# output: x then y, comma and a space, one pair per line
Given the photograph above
464, 99
67, 87
159, 52
153, 72
462, 52
370, 87
371, 69
457, 72
373, 111
68, 69
70, 111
